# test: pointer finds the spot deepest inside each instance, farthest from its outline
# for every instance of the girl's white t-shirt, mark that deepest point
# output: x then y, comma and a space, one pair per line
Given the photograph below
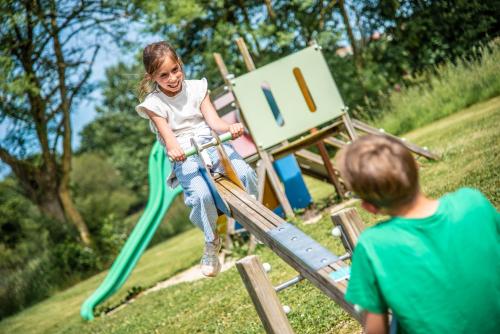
182, 111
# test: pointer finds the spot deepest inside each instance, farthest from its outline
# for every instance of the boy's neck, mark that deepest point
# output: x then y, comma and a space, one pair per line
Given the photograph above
420, 207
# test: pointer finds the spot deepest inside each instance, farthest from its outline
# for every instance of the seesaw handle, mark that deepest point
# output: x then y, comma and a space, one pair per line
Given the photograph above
192, 150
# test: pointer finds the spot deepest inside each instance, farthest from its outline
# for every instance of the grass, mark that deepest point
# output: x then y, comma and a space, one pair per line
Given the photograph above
469, 142
62, 310
443, 91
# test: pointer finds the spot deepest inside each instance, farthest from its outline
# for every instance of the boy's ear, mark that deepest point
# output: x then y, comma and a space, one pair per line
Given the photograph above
370, 207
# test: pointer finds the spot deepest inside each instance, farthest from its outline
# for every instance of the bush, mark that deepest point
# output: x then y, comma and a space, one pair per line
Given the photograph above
39, 256
110, 238
449, 88
26, 270
26, 285
98, 190
72, 258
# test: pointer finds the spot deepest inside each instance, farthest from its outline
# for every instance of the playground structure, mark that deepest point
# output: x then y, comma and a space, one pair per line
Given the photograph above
286, 106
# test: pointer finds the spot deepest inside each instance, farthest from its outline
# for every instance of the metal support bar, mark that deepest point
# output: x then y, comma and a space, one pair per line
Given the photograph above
299, 277
289, 283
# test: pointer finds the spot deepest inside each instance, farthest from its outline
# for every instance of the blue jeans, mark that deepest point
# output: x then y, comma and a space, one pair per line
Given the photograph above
197, 195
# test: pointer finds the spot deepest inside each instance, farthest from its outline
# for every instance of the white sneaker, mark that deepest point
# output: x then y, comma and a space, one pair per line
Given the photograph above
210, 265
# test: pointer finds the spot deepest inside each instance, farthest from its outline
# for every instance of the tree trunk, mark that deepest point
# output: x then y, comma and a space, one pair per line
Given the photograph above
350, 34
74, 216
64, 195
53, 199
270, 10
51, 207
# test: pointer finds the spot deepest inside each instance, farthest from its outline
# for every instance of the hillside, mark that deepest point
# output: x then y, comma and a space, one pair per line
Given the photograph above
469, 142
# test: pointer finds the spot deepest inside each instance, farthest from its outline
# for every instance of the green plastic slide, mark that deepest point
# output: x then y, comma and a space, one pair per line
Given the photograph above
160, 199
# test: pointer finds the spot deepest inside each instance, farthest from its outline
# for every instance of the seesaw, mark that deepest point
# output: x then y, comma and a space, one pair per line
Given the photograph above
312, 261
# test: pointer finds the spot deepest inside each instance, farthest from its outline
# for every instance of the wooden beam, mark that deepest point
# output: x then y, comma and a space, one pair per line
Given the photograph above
222, 67
330, 170
263, 296
349, 126
332, 141
306, 140
275, 182
412, 147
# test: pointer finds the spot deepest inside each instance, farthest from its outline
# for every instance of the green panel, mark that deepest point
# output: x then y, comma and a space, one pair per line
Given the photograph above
296, 116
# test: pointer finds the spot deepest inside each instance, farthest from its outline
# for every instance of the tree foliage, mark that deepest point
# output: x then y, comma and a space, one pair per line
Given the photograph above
118, 133
427, 33
47, 49
200, 28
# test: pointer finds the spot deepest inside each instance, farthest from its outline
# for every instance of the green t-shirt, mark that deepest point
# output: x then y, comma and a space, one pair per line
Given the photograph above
439, 274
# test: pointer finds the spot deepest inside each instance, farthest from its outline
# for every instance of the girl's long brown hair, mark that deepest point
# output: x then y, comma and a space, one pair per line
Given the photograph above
152, 57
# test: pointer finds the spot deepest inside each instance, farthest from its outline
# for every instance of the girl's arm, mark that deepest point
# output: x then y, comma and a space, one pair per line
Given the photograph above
174, 150
217, 123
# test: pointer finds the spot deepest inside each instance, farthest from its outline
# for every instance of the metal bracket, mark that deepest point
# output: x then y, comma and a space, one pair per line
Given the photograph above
312, 255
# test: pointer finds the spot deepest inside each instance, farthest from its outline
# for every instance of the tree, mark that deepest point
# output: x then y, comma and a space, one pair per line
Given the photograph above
271, 30
118, 133
423, 34
47, 52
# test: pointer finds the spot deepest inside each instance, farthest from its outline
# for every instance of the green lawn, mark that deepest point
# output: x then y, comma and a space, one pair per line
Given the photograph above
469, 142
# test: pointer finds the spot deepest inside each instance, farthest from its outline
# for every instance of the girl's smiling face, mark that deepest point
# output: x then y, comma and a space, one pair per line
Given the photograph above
169, 77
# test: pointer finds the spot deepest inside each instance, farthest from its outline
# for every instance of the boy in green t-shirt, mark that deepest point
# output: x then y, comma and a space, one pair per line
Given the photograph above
434, 263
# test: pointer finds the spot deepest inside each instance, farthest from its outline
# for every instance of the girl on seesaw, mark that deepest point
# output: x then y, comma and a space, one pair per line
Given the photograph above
180, 109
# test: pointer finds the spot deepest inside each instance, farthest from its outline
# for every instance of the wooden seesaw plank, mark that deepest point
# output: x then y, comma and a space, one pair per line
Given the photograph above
259, 221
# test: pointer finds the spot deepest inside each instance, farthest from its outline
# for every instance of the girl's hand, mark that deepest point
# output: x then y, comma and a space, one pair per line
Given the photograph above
236, 130
176, 153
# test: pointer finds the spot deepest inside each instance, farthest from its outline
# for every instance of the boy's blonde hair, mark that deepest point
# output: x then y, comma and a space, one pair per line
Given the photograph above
380, 170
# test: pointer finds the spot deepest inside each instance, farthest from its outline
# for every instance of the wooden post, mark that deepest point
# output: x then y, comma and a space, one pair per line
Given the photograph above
224, 73
329, 168
351, 224
263, 296
266, 160
348, 125
246, 55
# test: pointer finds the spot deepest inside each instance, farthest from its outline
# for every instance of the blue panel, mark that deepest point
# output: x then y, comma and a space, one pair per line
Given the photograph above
310, 253
266, 88
296, 191
341, 274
